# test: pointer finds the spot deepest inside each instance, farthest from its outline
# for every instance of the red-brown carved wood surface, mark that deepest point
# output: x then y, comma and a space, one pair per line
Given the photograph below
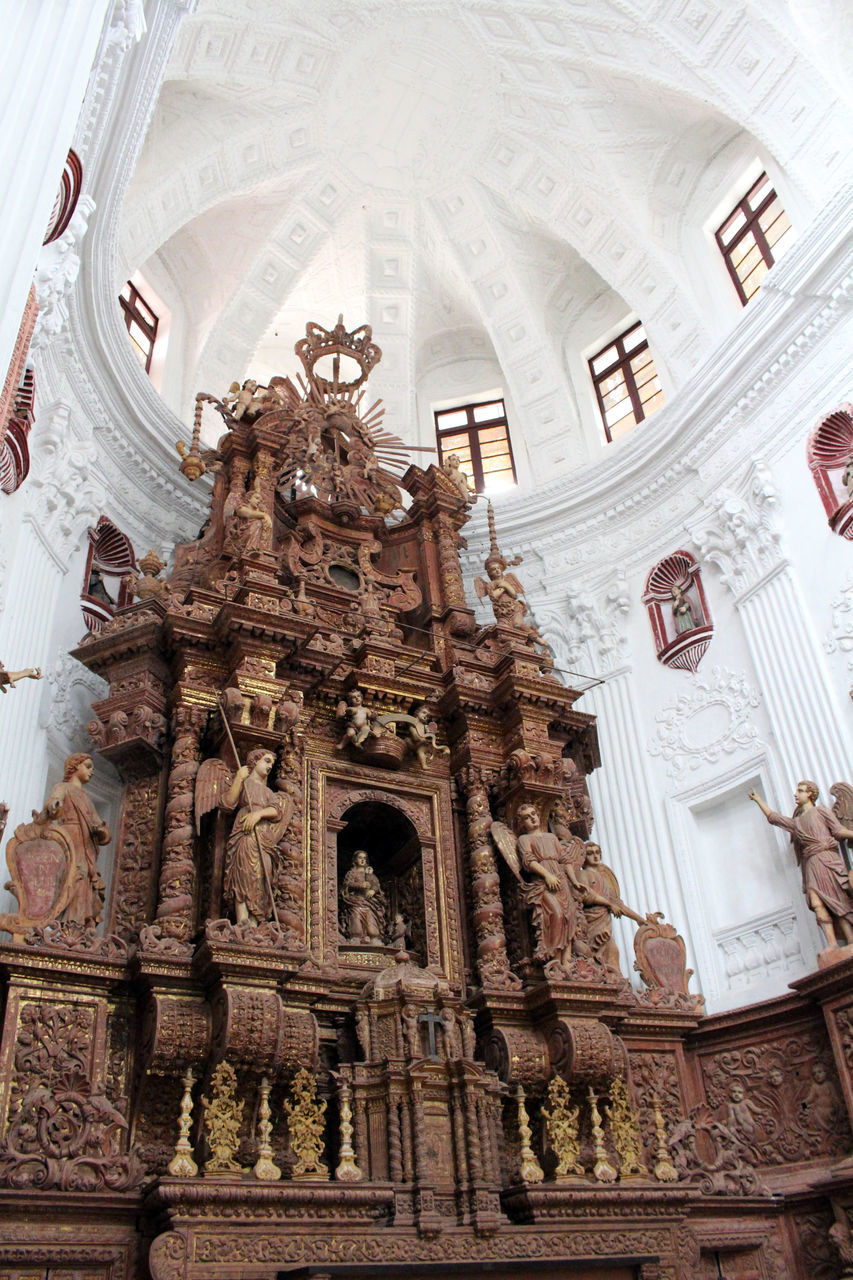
420, 1007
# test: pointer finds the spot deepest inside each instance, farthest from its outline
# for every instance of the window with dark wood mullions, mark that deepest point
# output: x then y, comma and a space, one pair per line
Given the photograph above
479, 436
626, 382
141, 323
753, 237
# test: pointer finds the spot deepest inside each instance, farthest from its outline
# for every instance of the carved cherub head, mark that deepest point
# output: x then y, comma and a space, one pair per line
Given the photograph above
593, 854
355, 697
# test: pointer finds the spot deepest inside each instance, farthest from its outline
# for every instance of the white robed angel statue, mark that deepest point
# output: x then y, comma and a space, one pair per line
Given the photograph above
261, 823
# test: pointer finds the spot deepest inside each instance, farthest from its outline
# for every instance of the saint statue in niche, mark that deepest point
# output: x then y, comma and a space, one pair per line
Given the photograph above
251, 527
815, 832
364, 905
682, 610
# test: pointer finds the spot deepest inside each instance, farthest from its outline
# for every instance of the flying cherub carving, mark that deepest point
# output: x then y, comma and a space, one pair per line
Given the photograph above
420, 732
550, 887
359, 719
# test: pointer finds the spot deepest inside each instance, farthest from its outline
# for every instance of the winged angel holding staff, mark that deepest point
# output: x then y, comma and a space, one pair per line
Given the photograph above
263, 817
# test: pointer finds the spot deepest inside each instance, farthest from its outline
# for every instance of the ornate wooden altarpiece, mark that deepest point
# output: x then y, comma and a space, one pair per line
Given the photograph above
356, 1010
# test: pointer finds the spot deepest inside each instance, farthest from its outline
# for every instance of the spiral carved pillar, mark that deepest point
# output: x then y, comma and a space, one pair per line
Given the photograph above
177, 872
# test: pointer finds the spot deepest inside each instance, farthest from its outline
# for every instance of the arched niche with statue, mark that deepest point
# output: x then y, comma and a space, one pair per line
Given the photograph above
830, 458
380, 881
404, 831
678, 611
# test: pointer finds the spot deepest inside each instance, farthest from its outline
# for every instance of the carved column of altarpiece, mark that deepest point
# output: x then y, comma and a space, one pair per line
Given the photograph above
370, 900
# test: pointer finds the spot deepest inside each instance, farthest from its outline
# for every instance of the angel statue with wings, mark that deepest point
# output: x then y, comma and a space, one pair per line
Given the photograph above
554, 893
505, 592
261, 823
601, 903
503, 588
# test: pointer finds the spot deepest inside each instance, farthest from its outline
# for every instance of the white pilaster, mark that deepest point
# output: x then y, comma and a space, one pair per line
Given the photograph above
49, 46
738, 535
61, 499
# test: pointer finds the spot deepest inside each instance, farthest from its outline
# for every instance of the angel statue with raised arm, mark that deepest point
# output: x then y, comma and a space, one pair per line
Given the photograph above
260, 826
552, 891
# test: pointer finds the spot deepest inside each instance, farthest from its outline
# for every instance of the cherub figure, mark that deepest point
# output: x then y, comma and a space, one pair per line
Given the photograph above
503, 590
248, 400
739, 1113
8, 679
452, 468
359, 719
420, 732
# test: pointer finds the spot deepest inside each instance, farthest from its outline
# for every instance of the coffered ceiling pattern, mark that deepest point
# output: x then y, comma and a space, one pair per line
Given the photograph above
464, 166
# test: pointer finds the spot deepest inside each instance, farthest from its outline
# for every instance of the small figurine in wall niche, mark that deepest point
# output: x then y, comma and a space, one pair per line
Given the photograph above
364, 906
601, 903
815, 832
452, 468
682, 610
847, 478
8, 679
359, 720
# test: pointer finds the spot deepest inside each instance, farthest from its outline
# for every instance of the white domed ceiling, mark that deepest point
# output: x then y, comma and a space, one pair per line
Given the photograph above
501, 182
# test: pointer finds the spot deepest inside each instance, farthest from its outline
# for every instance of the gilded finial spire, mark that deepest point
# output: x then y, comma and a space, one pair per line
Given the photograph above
494, 556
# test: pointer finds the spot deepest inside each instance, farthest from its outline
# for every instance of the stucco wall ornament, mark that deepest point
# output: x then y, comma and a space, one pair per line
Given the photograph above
56, 275
839, 636
67, 707
712, 720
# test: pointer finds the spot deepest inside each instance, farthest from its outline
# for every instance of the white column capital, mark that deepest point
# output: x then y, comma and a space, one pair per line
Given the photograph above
736, 531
